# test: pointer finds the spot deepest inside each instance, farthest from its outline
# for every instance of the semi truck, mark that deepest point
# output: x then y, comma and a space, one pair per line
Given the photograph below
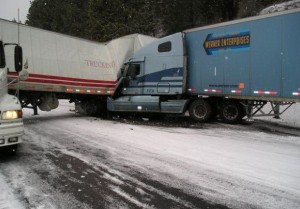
11, 122
231, 70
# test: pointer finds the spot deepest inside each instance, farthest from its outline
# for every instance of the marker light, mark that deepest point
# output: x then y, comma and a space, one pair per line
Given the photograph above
12, 114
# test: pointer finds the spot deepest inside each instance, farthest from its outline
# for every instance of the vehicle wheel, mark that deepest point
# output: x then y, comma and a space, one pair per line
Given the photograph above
200, 110
232, 112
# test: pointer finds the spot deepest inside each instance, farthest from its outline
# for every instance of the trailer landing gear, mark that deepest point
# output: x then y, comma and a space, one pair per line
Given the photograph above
260, 109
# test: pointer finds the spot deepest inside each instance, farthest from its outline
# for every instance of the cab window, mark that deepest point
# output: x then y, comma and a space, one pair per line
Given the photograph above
165, 47
133, 70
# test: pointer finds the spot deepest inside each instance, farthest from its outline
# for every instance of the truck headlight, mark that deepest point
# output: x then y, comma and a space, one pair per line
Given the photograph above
12, 114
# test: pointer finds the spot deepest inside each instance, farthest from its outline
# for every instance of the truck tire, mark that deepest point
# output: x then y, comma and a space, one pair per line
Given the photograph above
200, 110
232, 112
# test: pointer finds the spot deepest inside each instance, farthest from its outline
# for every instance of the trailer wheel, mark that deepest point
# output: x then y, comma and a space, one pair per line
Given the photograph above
232, 112
200, 110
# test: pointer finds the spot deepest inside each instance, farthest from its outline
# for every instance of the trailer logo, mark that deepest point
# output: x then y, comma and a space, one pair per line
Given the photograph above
237, 41
99, 64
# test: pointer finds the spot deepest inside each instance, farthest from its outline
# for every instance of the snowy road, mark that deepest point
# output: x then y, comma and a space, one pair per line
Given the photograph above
72, 161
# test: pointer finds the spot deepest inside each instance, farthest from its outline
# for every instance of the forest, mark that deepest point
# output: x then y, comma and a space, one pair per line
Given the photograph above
103, 20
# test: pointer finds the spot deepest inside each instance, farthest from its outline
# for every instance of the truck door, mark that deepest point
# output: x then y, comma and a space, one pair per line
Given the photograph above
165, 67
133, 79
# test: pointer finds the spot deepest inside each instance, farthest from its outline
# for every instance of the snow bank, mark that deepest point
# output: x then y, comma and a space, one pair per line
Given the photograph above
7, 197
281, 7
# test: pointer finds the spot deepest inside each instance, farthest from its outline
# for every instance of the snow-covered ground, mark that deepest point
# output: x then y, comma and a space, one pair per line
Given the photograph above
7, 197
237, 166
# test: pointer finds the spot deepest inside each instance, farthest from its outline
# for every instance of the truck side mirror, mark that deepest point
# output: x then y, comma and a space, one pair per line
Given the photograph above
2, 55
18, 58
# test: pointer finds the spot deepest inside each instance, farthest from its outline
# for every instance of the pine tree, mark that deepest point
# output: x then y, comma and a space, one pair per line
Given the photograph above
103, 20
66, 16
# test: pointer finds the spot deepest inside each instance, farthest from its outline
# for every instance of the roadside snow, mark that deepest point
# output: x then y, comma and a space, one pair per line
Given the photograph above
8, 199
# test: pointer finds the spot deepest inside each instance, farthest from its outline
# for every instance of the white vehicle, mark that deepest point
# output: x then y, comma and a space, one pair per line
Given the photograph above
11, 121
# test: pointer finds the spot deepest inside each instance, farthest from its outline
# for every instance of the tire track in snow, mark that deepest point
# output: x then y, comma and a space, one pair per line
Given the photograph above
102, 186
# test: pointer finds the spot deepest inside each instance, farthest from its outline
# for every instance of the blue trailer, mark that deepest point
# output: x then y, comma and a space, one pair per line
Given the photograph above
231, 69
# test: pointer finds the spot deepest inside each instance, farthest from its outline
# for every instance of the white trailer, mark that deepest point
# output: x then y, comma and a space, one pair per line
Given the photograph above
66, 67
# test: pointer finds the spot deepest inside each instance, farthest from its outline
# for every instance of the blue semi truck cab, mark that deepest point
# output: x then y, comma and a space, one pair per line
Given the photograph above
158, 68
231, 69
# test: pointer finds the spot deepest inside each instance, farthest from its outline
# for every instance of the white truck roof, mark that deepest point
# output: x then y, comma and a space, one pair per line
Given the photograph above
53, 54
